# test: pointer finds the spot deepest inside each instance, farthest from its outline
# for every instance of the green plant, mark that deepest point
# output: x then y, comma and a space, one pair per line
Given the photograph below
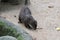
8, 30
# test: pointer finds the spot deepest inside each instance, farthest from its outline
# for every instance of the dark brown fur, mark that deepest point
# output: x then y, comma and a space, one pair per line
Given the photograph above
26, 18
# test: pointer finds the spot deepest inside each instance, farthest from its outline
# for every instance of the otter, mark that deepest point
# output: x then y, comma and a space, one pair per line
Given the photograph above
26, 17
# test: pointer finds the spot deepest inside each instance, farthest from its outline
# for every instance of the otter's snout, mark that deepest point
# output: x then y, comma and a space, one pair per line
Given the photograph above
33, 27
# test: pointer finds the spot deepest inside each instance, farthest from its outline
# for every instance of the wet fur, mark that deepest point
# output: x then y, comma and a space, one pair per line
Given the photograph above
26, 18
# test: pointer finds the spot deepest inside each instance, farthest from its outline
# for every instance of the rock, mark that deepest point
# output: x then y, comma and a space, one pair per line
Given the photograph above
20, 33
7, 38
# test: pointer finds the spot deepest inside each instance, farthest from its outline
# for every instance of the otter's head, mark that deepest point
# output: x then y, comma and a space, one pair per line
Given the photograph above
30, 22
33, 24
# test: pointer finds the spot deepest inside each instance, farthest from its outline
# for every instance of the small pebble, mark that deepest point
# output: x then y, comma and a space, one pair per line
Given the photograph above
50, 6
58, 29
15, 16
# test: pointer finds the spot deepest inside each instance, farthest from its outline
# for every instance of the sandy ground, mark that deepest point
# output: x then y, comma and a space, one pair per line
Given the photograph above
48, 18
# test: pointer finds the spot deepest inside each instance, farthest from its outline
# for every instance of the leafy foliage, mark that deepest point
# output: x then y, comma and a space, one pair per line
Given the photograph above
8, 30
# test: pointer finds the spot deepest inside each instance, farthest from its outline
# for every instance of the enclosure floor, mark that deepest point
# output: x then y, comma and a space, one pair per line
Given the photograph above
48, 18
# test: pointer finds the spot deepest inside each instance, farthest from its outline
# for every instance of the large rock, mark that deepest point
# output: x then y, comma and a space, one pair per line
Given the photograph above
7, 38
8, 28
